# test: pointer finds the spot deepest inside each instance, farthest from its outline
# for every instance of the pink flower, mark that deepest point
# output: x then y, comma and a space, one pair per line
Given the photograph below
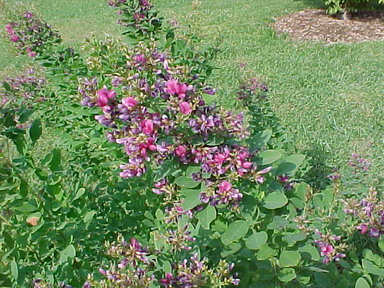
225, 186
129, 102
363, 228
15, 38
220, 158
247, 165
326, 249
185, 108
104, 95
147, 127
181, 151
9, 29
174, 88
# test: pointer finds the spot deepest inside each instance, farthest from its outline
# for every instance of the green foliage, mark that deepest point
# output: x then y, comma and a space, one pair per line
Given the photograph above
341, 6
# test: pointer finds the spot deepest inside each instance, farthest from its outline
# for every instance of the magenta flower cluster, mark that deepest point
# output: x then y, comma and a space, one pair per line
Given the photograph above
157, 116
359, 164
329, 250
194, 273
368, 213
21, 89
137, 14
136, 269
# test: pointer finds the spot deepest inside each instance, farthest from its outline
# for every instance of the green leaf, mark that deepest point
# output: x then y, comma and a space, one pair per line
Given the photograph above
256, 240
25, 208
25, 115
362, 283
235, 231
186, 182
8, 187
68, 254
14, 270
287, 274
290, 165
381, 243
310, 252
192, 169
265, 253
268, 157
275, 200
36, 130
21, 144
55, 162
79, 193
371, 268
259, 140
207, 216
289, 258
89, 216
6, 86
231, 249
191, 200
294, 237
165, 169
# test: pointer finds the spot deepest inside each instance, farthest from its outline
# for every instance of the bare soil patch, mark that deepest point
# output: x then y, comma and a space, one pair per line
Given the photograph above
316, 25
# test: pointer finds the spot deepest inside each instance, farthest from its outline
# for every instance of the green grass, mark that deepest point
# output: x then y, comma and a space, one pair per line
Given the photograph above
330, 97
74, 19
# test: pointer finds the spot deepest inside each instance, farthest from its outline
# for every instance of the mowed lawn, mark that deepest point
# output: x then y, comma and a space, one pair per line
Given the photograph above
329, 97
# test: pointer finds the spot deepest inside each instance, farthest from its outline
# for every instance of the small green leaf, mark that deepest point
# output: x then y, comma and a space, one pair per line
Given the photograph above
14, 270
289, 258
259, 140
36, 130
207, 216
7, 187
268, 157
55, 162
287, 275
235, 231
79, 193
371, 268
290, 165
231, 249
381, 243
256, 240
275, 200
265, 252
362, 283
186, 182
25, 208
191, 200
89, 216
6, 86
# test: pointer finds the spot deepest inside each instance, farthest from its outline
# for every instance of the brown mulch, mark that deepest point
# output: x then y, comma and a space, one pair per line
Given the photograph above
316, 25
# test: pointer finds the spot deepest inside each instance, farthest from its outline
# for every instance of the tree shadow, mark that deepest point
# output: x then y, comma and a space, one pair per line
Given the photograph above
317, 175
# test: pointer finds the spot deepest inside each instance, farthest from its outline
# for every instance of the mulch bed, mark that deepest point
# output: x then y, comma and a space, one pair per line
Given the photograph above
316, 25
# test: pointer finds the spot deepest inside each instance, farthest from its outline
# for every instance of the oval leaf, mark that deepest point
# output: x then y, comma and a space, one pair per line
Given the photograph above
207, 216
256, 240
235, 231
36, 130
275, 200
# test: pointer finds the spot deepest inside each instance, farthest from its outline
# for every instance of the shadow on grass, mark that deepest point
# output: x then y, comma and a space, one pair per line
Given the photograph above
313, 3
317, 175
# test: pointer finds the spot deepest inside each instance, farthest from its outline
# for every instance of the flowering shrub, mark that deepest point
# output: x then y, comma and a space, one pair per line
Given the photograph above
199, 186
30, 35
137, 268
27, 87
347, 6
138, 17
